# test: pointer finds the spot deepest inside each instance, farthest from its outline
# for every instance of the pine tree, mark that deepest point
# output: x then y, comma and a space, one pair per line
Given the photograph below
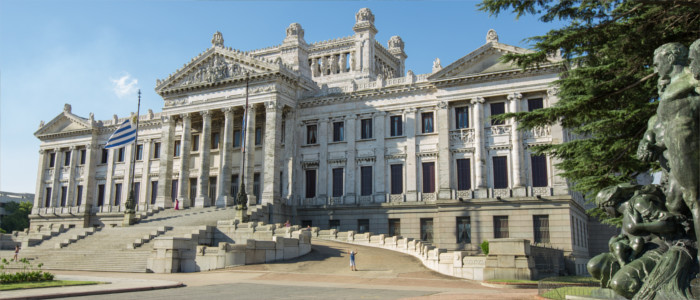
608, 90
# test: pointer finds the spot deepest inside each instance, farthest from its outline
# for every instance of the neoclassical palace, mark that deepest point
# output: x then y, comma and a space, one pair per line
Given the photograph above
338, 135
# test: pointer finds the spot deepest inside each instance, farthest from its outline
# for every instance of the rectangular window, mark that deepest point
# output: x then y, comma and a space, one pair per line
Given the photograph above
176, 151
396, 125
539, 170
366, 128
66, 158
338, 182
117, 193
464, 177
464, 230
212, 188
83, 154
427, 122
215, 139
497, 109
156, 150
79, 196
137, 191
461, 117
52, 159
154, 191
173, 190
397, 179
47, 197
256, 187
362, 225
283, 132
64, 195
120, 154
394, 227
428, 177
258, 136
310, 183
366, 181
236, 138
139, 152
195, 143
540, 223
500, 227
310, 134
193, 189
533, 104
105, 156
338, 131
234, 185
500, 172
426, 230
334, 224
100, 194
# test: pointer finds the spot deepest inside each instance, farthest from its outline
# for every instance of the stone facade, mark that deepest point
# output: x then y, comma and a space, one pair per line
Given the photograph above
337, 135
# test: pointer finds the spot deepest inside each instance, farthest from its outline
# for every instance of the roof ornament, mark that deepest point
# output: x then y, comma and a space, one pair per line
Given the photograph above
67, 108
364, 15
436, 65
491, 36
295, 29
217, 40
395, 42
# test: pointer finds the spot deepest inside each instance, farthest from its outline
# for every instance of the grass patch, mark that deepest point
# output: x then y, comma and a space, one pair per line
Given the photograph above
560, 293
571, 279
43, 284
512, 281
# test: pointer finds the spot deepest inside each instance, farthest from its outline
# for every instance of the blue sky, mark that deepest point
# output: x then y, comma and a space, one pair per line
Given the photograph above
94, 55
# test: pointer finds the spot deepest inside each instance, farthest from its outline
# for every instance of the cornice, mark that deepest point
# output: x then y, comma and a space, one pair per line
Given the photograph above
516, 73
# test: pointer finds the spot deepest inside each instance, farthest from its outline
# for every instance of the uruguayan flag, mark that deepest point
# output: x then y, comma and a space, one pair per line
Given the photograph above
126, 133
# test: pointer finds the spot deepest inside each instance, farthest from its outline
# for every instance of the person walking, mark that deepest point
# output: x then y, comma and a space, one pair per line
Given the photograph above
16, 252
352, 253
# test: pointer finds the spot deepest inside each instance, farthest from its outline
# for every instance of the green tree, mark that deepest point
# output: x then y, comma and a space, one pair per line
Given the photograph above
608, 89
17, 217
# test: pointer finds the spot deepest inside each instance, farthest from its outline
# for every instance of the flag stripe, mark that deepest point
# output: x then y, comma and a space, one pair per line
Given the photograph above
126, 133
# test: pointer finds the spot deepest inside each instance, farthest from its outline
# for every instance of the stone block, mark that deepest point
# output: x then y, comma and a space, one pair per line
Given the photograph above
491, 262
481, 193
509, 246
290, 252
519, 192
506, 261
524, 262
270, 255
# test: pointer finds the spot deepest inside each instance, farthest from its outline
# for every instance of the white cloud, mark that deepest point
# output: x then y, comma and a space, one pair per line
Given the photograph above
125, 85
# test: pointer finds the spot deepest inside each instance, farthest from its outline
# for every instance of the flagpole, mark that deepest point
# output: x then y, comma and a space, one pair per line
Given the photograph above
129, 213
242, 198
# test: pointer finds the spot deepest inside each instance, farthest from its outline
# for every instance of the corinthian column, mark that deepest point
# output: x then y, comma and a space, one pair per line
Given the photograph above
165, 170
411, 168
224, 179
39, 183
182, 195
479, 159
516, 139
202, 198
71, 176
443, 126
249, 153
271, 166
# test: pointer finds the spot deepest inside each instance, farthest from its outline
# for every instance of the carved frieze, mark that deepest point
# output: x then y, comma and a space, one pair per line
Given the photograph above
214, 69
465, 135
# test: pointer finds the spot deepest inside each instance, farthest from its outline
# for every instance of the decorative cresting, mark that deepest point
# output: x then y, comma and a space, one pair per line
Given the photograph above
295, 30
395, 42
364, 15
491, 36
217, 40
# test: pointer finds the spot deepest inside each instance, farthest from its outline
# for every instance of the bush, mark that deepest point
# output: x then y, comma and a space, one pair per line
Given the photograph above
485, 247
28, 273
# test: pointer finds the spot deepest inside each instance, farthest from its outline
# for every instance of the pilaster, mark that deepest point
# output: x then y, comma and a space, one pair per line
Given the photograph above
250, 154
479, 159
378, 123
202, 199
516, 140
224, 178
109, 180
165, 169
411, 168
270, 147
323, 158
71, 177
128, 181
351, 164
89, 193
183, 196
144, 200
443, 127
290, 142
39, 190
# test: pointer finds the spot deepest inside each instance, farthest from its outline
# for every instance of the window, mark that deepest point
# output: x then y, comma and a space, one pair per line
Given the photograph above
500, 227
52, 159
540, 223
137, 191
338, 182
338, 134
397, 179
428, 177
427, 122
100, 194
497, 109
236, 138
539, 170
193, 189
173, 190
366, 181
366, 128
117, 193
394, 227
215, 138
79, 196
310, 134
212, 187
47, 197
64, 195
66, 158
533, 104
500, 172
426, 230
195, 143
83, 153
283, 132
258, 136
105, 156
464, 230
334, 224
310, 183
139, 152
362, 225
120, 154
461, 117
154, 191
176, 151
156, 150
234, 185
256, 186
396, 125
463, 175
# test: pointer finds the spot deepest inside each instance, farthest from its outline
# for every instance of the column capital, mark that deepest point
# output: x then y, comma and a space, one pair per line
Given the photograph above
42, 151
478, 100
227, 110
323, 120
442, 104
185, 116
272, 106
553, 91
56, 150
515, 96
379, 114
205, 114
351, 117
72, 147
167, 119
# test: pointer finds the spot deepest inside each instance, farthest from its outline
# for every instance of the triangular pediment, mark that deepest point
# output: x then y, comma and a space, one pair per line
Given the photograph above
216, 65
485, 59
66, 122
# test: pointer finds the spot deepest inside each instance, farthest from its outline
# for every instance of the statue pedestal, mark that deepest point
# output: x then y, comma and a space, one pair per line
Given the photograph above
242, 215
129, 219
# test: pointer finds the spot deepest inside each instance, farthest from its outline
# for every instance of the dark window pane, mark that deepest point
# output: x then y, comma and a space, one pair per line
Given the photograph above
334, 224
539, 170
310, 183
104, 157
366, 181
215, 139
426, 230
117, 194
258, 136
337, 182
256, 187
396, 126
500, 227
79, 196
338, 134
156, 150
427, 122
47, 197
154, 191
533, 104
464, 230
212, 188
394, 227
83, 154
139, 152
366, 128
64, 195
311, 134
463, 175
234, 185
193, 189
236, 138
176, 151
66, 158
497, 109
461, 117
195, 143
362, 225
52, 159
397, 179
429, 177
500, 172
137, 191
541, 227
100, 195
173, 190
